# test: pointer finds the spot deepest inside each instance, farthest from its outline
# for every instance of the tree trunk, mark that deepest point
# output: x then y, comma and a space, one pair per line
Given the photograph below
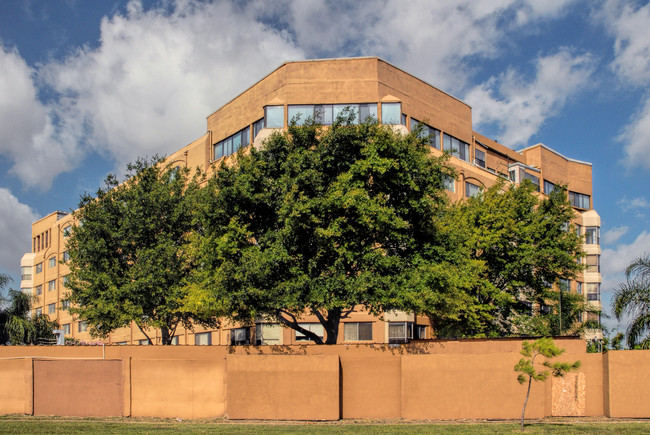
523, 411
332, 327
166, 337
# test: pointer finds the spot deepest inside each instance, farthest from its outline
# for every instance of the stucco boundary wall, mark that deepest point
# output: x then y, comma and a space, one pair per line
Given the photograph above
442, 379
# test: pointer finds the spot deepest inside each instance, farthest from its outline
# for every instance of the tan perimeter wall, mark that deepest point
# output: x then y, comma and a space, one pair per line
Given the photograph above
425, 380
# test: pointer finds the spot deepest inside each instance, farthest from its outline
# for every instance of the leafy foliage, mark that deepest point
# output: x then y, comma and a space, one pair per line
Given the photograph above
16, 324
128, 257
321, 221
632, 298
547, 348
524, 246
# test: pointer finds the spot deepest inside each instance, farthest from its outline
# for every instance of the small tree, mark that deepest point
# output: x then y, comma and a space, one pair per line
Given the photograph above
526, 366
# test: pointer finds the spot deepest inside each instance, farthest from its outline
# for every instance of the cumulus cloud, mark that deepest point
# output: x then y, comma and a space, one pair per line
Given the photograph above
627, 22
637, 205
519, 107
16, 228
615, 261
614, 235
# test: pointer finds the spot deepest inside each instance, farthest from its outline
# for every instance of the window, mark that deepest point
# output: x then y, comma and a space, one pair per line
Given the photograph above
51, 309
549, 187
65, 304
456, 147
579, 287
66, 329
231, 144
533, 179
82, 326
239, 336
593, 291
257, 127
479, 158
274, 116
65, 256
357, 331
66, 280
420, 332
400, 332
176, 340
121, 343
578, 230
51, 263
449, 183
38, 290
593, 263
51, 285
39, 268
26, 273
66, 231
316, 328
427, 131
579, 200
300, 114
471, 189
592, 235
144, 342
39, 311
203, 339
564, 284
391, 113
268, 333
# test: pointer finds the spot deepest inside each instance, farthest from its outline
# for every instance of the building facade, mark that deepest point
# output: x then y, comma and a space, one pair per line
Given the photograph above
322, 89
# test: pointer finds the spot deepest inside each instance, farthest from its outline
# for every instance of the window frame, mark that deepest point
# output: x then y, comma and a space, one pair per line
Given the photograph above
352, 331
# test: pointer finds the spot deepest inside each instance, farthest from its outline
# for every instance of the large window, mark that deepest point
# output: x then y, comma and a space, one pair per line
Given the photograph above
231, 144
26, 273
593, 263
593, 291
391, 113
479, 158
471, 189
549, 187
358, 331
592, 235
316, 328
203, 339
579, 200
300, 114
274, 116
427, 131
268, 333
400, 332
533, 179
239, 336
456, 147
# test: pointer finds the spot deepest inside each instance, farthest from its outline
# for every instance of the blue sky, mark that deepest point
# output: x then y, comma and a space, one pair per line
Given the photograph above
86, 86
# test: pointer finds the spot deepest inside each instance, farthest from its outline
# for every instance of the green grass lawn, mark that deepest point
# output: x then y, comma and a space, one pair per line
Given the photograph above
61, 425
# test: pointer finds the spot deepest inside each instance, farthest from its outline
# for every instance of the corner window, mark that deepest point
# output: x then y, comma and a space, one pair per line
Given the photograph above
357, 331
456, 147
240, 336
274, 116
203, 339
592, 235
479, 158
471, 189
391, 113
316, 328
579, 200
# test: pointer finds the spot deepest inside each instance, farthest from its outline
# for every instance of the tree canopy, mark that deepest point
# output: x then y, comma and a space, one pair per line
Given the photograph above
320, 221
524, 244
16, 324
128, 251
632, 299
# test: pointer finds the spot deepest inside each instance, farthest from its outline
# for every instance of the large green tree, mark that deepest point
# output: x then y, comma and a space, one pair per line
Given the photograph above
128, 252
320, 221
525, 245
17, 326
632, 298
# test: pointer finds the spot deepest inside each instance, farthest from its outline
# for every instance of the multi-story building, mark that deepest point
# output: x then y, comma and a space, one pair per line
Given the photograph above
322, 89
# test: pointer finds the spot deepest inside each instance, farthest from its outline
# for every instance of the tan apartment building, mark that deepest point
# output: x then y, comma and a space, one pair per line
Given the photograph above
322, 89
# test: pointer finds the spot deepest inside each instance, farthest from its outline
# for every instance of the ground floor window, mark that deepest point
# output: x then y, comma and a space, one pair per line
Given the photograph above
357, 331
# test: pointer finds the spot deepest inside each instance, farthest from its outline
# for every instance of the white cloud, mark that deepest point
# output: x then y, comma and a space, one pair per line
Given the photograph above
614, 235
628, 24
27, 134
634, 204
615, 261
16, 228
518, 107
